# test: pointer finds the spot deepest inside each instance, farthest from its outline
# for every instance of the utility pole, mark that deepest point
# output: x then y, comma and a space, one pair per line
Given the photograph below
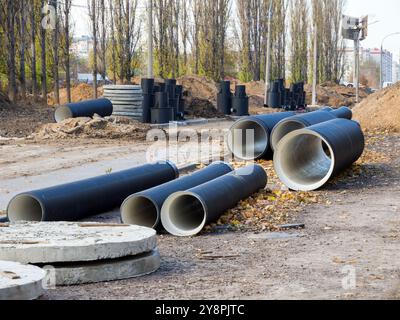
150, 72
268, 62
315, 67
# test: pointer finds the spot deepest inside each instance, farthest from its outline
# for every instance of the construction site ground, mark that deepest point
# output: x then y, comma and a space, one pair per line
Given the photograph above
355, 228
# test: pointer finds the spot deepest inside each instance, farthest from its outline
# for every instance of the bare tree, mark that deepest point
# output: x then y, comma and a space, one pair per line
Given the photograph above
56, 32
113, 41
10, 31
43, 55
299, 40
66, 13
22, 45
103, 40
33, 50
93, 17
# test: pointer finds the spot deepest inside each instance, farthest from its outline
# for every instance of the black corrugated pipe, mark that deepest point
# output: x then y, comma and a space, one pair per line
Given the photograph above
186, 213
306, 159
306, 120
82, 199
248, 138
144, 208
103, 107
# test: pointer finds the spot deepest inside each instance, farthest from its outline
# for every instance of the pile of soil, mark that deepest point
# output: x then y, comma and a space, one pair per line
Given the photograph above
334, 95
199, 87
79, 93
24, 118
96, 128
380, 111
201, 108
4, 100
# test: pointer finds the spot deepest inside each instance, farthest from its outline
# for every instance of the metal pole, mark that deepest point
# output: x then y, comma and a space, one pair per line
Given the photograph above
150, 73
268, 62
357, 68
315, 72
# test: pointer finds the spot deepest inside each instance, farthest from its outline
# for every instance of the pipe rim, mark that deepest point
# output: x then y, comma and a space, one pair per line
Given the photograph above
27, 195
125, 214
265, 145
273, 137
63, 113
166, 220
281, 172
174, 167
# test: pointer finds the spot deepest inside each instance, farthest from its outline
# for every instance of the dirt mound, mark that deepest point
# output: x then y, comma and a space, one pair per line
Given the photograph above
201, 108
79, 93
96, 128
334, 95
4, 100
24, 118
199, 87
380, 111
256, 88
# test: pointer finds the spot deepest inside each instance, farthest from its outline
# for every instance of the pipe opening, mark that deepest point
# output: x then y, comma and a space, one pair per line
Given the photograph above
183, 215
248, 140
63, 113
304, 161
281, 130
25, 208
140, 211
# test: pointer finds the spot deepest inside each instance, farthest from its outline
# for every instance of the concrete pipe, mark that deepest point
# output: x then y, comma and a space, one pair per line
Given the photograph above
306, 120
186, 213
144, 208
82, 199
307, 159
102, 107
248, 138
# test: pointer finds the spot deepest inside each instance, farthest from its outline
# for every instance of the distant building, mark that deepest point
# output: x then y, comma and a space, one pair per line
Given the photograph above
369, 55
81, 46
396, 71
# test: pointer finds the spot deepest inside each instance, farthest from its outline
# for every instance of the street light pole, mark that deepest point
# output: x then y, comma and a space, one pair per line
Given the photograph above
381, 68
268, 62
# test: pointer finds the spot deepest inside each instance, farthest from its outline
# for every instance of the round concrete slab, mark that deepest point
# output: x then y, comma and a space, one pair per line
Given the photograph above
106, 270
20, 282
52, 242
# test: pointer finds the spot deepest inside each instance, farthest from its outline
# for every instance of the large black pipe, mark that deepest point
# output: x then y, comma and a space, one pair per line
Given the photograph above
240, 102
306, 120
224, 98
82, 199
144, 208
186, 213
248, 138
306, 159
103, 107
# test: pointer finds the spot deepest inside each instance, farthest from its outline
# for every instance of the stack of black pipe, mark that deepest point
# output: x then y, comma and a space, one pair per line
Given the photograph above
228, 104
148, 89
292, 98
224, 98
162, 102
240, 102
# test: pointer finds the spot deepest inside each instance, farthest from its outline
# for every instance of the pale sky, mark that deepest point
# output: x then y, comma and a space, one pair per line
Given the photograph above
387, 12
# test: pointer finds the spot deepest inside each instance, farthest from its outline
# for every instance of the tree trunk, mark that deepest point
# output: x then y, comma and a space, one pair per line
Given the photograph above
56, 55
43, 57
67, 10
22, 77
33, 49
94, 17
12, 81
